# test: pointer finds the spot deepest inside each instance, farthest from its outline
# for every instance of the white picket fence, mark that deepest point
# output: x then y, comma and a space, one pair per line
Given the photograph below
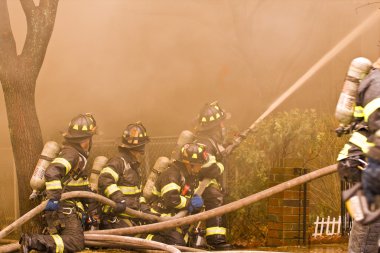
327, 227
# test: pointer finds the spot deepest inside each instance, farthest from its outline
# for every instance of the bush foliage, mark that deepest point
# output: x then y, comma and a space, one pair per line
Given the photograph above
301, 138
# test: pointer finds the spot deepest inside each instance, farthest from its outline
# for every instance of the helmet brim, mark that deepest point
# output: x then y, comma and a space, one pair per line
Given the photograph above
121, 144
205, 127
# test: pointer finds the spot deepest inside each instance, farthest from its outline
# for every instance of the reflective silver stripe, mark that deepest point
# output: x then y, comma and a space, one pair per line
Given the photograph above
182, 204
111, 189
370, 108
129, 190
358, 112
360, 141
170, 187
110, 171
64, 162
59, 246
53, 185
343, 154
216, 231
79, 182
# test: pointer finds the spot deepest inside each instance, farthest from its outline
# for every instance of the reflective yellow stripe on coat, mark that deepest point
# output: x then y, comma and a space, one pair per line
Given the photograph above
156, 192
216, 231
359, 112
53, 185
182, 204
370, 108
361, 141
64, 162
142, 200
149, 237
110, 171
343, 154
170, 187
111, 189
129, 190
79, 182
59, 246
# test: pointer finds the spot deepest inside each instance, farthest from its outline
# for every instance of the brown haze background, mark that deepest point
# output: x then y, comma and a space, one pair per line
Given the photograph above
159, 61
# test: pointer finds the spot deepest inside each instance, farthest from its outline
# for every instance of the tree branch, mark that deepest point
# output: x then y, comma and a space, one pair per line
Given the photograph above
40, 24
45, 3
364, 5
28, 6
7, 41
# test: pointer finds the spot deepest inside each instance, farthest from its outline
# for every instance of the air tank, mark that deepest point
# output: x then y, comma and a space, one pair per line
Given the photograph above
97, 166
358, 69
161, 164
37, 181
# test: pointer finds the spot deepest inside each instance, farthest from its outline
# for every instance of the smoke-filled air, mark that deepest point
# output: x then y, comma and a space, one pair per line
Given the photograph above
161, 61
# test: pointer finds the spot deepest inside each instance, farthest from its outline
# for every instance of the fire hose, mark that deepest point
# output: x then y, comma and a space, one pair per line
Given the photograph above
111, 241
132, 240
233, 206
114, 241
83, 194
121, 245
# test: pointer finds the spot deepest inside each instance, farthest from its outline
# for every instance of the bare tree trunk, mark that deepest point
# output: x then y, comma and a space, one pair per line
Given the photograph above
18, 75
25, 133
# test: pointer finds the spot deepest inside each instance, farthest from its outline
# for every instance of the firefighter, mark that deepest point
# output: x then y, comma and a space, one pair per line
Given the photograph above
65, 174
120, 179
174, 188
364, 238
351, 163
369, 100
210, 131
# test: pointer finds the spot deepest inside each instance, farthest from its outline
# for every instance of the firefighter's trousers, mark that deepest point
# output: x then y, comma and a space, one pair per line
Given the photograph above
68, 237
364, 238
215, 227
171, 236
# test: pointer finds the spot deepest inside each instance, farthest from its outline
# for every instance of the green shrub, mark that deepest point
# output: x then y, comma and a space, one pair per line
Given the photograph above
306, 138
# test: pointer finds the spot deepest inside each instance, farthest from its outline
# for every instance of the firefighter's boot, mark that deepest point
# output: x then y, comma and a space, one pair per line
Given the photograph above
26, 243
29, 243
218, 242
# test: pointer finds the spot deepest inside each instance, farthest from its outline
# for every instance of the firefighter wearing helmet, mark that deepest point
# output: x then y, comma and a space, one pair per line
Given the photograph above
64, 174
174, 191
120, 179
364, 238
210, 131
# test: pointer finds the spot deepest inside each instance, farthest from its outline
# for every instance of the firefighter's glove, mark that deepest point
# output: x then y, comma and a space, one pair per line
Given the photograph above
371, 180
52, 205
120, 207
195, 204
